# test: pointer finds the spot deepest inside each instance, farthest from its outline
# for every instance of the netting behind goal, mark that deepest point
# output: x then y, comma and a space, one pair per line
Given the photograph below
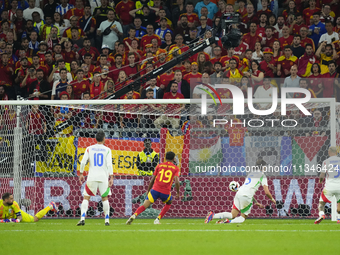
41, 148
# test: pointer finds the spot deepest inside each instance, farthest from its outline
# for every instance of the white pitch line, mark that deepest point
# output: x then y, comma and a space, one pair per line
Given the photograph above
170, 230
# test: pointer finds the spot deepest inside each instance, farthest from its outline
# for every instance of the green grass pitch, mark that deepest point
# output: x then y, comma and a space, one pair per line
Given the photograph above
173, 236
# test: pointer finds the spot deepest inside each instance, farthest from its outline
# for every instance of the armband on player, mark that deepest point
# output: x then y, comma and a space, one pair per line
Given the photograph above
18, 214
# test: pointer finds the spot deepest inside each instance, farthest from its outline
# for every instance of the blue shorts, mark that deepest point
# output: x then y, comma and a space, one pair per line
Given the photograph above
154, 195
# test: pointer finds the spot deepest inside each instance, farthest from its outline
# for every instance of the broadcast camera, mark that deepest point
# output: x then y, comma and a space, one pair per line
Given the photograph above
231, 35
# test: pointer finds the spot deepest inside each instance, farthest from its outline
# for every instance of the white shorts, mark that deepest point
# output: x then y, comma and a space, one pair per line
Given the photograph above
327, 195
243, 203
92, 187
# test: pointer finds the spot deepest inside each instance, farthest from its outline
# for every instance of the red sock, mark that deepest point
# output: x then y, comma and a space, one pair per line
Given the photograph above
140, 210
163, 212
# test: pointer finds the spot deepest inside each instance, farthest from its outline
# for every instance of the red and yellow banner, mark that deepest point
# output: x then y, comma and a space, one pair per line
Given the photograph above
124, 153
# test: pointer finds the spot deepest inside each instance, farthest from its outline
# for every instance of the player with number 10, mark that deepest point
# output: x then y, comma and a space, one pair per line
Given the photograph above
100, 160
160, 187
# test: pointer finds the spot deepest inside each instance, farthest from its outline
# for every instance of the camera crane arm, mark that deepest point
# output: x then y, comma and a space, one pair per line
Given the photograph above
141, 80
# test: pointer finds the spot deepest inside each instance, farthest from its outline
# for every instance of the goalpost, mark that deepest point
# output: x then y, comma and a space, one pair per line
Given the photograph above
42, 143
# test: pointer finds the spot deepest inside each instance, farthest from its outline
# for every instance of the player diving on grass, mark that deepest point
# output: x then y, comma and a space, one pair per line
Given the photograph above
244, 198
160, 187
100, 160
330, 172
11, 212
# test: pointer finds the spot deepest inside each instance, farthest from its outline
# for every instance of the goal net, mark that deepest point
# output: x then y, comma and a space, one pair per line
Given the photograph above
42, 144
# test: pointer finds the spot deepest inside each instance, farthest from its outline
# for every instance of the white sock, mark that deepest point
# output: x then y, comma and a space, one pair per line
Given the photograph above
239, 219
321, 213
84, 207
223, 215
106, 208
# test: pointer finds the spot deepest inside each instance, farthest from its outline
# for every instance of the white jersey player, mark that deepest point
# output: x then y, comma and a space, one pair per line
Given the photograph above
100, 159
243, 200
331, 173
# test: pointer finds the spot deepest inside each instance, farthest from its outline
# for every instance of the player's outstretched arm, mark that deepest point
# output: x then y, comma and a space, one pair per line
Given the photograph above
268, 194
177, 185
82, 166
151, 183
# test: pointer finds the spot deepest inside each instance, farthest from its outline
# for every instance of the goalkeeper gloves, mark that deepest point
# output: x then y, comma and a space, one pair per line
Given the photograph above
10, 220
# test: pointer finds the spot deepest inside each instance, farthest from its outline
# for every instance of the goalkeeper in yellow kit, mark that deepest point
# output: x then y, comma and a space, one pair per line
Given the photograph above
11, 212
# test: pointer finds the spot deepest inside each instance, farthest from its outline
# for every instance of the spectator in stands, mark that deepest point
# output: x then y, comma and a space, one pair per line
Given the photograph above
257, 54
174, 121
69, 91
318, 121
264, 91
330, 36
279, 25
122, 10
55, 76
140, 30
183, 87
59, 86
308, 12
146, 39
62, 114
327, 14
50, 8
297, 49
252, 37
88, 23
192, 17
212, 8
73, 23
77, 11
285, 62
330, 80
151, 85
306, 61
64, 7
316, 83
111, 30
317, 29
100, 13
40, 89
325, 53
163, 29
268, 65
286, 38
96, 87
36, 123
233, 74
183, 27
127, 119
216, 77
80, 85
147, 17
292, 81
297, 24
256, 77
29, 11
304, 83
3, 95
203, 27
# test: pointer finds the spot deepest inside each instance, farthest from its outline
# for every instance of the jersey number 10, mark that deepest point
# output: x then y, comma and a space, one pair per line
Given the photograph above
98, 159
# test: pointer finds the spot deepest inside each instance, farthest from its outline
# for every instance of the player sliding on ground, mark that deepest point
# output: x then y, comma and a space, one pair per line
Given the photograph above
11, 212
330, 170
160, 187
100, 159
244, 199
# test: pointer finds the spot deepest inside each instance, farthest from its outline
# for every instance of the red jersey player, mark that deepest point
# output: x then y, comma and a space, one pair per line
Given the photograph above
160, 187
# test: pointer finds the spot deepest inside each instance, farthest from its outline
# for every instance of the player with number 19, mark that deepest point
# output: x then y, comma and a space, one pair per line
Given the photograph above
100, 160
160, 187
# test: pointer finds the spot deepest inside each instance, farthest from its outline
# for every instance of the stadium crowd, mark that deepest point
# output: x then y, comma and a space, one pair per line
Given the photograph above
90, 49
